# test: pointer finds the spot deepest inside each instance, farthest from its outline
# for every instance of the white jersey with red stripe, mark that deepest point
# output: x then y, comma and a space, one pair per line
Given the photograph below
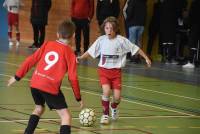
12, 5
112, 51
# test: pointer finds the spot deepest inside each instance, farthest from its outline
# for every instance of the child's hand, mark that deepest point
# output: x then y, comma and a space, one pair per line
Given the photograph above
11, 81
148, 61
78, 59
81, 104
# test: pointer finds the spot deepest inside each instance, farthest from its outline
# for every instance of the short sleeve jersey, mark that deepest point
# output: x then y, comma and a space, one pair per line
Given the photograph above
112, 51
12, 5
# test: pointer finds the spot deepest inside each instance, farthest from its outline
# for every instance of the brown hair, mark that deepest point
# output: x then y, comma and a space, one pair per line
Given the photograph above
114, 23
66, 29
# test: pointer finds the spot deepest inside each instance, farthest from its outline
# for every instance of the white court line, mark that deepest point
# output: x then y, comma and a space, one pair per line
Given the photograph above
149, 90
138, 88
121, 117
166, 109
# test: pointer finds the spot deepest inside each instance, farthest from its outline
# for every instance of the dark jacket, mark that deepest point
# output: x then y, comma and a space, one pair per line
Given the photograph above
136, 12
194, 17
106, 8
39, 11
169, 12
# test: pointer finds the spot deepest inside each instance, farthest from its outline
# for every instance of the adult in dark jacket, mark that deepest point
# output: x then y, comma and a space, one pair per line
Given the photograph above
169, 12
106, 8
136, 17
39, 19
194, 36
136, 12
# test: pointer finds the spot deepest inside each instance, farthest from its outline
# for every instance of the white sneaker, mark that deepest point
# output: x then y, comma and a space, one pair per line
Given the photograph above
188, 65
10, 43
104, 119
114, 113
17, 43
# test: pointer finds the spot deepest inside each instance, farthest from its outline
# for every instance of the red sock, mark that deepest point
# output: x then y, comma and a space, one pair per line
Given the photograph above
105, 105
114, 105
18, 36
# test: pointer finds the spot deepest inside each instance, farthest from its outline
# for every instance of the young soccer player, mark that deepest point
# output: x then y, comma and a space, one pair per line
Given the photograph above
52, 61
112, 49
13, 7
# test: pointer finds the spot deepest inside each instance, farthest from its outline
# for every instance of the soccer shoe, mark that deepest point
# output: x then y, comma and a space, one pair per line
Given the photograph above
188, 65
17, 43
114, 113
10, 43
104, 119
32, 46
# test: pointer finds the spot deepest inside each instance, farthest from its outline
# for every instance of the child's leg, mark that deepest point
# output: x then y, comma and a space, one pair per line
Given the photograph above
10, 32
116, 98
105, 104
106, 98
65, 121
34, 119
17, 32
115, 103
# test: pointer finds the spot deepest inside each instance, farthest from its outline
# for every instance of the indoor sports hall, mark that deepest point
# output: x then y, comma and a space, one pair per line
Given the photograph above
163, 99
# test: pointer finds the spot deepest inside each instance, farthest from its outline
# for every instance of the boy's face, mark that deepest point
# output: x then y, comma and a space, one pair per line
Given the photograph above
109, 30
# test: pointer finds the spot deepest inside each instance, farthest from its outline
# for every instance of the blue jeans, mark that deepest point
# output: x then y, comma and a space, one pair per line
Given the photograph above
135, 33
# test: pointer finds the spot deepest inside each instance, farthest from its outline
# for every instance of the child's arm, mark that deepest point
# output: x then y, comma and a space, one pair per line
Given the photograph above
148, 61
11, 81
84, 56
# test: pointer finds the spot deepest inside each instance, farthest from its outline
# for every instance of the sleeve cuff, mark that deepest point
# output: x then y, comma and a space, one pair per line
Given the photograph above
78, 99
17, 78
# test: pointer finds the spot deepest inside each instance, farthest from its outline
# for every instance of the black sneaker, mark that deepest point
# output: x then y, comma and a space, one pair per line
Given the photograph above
32, 46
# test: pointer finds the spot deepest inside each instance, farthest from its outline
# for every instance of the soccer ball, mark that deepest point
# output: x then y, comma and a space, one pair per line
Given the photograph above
87, 117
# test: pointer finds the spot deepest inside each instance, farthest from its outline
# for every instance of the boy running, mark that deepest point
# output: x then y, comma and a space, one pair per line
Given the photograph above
53, 60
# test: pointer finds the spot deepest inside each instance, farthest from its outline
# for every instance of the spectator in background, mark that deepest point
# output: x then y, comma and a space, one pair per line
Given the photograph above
169, 12
194, 36
182, 32
82, 12
39, 19
13, 7
153, 27
125, 17
136, 16
106, 8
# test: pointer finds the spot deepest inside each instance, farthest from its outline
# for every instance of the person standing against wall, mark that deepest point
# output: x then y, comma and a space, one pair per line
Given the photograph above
39, 19
107, 8
13, 7
82, 11
136, 17
194, 35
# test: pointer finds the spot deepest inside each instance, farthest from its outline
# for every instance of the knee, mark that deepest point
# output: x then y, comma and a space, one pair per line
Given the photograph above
39, 110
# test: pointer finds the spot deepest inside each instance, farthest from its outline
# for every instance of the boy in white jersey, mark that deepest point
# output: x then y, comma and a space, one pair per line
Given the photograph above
13, 7
112, 49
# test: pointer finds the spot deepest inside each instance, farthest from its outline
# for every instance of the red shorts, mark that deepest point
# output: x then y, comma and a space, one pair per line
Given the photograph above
111, 77
13, 19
